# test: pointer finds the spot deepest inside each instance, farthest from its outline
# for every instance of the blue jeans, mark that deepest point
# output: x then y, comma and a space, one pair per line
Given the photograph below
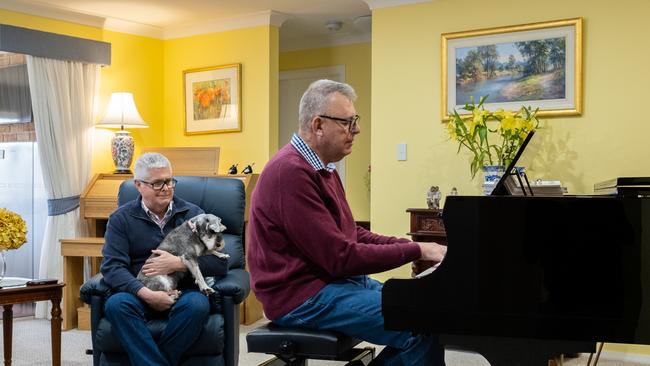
128, 316
353, 307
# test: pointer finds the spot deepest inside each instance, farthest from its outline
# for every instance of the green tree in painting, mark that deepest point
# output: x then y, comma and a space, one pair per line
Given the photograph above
557, 53
512, 63
489, 57
535, 54
471, 67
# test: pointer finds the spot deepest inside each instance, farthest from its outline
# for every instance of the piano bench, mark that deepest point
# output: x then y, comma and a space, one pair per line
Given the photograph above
293, 346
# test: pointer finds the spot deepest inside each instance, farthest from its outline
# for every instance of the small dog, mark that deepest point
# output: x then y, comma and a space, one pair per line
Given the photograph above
200, 235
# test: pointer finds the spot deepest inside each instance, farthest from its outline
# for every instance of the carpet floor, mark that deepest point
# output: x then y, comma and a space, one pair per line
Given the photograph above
31, 346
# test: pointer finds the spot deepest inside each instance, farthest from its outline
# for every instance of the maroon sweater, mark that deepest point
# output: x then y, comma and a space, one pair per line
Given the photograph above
302, 236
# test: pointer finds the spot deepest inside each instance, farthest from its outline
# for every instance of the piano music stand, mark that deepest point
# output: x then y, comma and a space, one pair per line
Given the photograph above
515, 172
501, 188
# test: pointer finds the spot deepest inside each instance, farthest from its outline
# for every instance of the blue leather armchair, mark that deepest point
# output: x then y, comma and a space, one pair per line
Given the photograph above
219, 340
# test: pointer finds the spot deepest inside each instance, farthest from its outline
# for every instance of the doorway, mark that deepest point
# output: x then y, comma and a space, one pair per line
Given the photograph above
292, 85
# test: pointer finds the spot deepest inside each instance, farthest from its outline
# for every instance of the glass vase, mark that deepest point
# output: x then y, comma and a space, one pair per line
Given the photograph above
3, 265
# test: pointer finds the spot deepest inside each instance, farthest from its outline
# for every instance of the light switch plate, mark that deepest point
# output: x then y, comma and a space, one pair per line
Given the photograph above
401, 152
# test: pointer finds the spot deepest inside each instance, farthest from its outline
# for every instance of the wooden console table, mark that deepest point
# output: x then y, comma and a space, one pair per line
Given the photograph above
16, 295
73, 252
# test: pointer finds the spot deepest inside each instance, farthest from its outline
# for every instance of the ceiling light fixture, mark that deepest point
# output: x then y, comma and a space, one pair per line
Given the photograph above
334, 25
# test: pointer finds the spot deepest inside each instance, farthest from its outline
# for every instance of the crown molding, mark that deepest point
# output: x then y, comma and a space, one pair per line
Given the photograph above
48, 11
266, 17
139, 29
378, 4
65, 14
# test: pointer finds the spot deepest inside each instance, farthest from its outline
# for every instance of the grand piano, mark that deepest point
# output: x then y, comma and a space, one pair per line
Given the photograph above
527, 278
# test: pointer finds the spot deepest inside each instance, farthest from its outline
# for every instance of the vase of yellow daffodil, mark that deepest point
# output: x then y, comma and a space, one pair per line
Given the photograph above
13, 234
493, 138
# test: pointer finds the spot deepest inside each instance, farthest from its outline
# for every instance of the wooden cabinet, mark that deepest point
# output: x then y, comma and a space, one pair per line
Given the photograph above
427, 225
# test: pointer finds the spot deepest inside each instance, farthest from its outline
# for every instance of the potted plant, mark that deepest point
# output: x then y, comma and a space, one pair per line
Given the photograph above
13, 234
493, 138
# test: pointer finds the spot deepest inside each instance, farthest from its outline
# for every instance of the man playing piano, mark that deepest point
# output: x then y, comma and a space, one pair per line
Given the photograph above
307, 258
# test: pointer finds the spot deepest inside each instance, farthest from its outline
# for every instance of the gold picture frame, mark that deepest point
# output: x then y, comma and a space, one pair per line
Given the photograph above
508, 64
212, 99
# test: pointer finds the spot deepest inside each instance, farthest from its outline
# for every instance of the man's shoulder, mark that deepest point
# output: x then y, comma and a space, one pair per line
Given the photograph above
126, 208
287, 158
183, 205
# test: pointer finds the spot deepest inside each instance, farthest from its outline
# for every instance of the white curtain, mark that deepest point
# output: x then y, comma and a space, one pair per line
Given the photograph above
63, 99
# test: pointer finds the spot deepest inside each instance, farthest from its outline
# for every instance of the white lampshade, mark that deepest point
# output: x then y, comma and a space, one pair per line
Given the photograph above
121, 113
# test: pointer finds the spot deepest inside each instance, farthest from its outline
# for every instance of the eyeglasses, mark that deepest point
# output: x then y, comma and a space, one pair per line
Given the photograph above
159, 184
351, 123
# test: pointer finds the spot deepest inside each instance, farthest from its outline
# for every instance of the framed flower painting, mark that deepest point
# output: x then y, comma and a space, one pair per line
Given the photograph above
213, 99
537, 65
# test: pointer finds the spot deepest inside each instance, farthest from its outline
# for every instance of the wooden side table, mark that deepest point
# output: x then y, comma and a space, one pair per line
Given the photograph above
16, 295
426, 226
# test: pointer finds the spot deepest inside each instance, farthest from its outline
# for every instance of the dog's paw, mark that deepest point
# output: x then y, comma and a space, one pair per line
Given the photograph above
207, 291
174, 294
221, 255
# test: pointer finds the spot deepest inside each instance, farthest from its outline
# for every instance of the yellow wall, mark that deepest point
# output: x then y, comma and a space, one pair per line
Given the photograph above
356, 59
152, 70
256, 49
607, 141
136, 67
49, 25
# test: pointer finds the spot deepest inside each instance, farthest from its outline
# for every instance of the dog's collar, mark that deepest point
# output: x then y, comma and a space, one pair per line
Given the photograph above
192, 226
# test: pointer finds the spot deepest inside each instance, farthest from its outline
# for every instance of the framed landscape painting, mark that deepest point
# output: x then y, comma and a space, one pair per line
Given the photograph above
537, 65
212, 99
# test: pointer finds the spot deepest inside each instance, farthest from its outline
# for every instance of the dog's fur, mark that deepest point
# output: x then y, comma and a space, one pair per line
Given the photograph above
200, 235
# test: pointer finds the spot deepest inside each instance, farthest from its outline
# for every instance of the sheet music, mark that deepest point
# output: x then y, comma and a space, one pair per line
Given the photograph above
539, 187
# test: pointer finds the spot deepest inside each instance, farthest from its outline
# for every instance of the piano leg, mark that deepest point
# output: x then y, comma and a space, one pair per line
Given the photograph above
502, 351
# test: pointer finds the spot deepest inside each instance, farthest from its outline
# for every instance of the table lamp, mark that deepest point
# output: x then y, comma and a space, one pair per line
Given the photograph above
121, 113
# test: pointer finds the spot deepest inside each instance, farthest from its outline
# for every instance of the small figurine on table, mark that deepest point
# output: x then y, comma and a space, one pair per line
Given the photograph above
433, 197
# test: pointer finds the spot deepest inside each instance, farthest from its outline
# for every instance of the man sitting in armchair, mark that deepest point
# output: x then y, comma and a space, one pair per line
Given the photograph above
133, 232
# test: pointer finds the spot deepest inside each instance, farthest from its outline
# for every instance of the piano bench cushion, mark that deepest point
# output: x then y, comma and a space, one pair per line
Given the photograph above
314, 344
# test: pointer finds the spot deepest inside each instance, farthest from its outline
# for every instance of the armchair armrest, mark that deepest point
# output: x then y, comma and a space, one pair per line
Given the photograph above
235, 284
94, 287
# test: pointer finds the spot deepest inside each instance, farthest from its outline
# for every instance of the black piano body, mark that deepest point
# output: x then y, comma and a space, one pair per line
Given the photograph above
532, 277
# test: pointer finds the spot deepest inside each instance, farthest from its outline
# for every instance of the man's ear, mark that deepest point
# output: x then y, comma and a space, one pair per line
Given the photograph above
317, 126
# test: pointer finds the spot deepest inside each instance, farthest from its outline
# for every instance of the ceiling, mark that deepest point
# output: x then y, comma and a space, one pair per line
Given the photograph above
302, 22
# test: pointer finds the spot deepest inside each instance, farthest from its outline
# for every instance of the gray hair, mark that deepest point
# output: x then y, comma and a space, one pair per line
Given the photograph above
315, 99
149, 161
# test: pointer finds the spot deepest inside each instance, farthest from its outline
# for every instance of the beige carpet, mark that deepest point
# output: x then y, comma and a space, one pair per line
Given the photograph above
31, 346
